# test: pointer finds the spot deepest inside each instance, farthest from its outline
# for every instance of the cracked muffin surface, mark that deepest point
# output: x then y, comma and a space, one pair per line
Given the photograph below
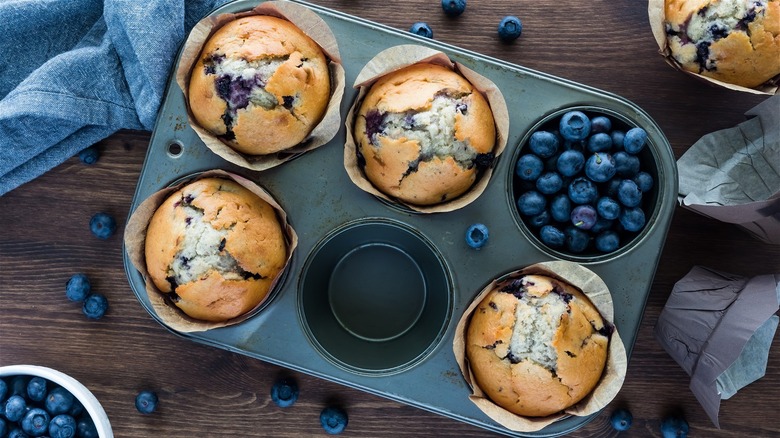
215, 249
260, 85
423, 134
733, 41
536, 345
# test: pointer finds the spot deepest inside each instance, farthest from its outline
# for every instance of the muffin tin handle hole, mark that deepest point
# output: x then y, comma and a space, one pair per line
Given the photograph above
175, 148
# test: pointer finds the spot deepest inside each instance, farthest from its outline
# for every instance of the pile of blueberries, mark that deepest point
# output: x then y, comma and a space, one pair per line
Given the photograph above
34, 406
581, 183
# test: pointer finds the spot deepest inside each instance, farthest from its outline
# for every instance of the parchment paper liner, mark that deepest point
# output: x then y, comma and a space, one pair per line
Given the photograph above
657, 16
395, 58
135, 236
617, 362
313, 26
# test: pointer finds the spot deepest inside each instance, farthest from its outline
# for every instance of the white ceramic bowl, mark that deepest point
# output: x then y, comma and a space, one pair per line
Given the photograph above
91, 404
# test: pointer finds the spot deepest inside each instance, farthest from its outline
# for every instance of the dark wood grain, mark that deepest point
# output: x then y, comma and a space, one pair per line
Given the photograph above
204, 391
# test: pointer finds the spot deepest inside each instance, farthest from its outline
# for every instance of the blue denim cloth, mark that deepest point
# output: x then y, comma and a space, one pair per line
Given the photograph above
72, 72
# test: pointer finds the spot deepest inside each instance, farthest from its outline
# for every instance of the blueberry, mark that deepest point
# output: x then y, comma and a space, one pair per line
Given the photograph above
584, 216
15, 407
602, 225
59, 401
3, 390
102, 225
674, 427
549, 183
510, 28
570, 162
78, 287
77, 409
629, 194
632, 219
601, 124
284, 392
582, 191
3, 427
552, 236
543, 143
89, 155
95, 306
529, 167
577, 240
19, 385
85, 427
575, 126
62, 426
146, 402
36, 422
540, 219
531, 203
600, 167
421, 29
611, 187
607, 208
626, 165
560, 208
617, 139
599, 142
644, 181
608, 241
621, 419
17, 433
334, 420
36, 389
634, 140
453, 8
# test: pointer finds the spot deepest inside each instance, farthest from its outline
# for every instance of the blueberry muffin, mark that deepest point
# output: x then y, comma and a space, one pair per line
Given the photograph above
423, 133
733, 41
260, 85
215, 249
536, 345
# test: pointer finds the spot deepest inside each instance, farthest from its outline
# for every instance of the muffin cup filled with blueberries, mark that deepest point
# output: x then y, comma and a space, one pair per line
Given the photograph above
584, 184
539, 344
262, 86
424, 132
213, 249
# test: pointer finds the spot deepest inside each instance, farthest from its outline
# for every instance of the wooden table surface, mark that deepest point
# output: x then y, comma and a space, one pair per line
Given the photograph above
206, 391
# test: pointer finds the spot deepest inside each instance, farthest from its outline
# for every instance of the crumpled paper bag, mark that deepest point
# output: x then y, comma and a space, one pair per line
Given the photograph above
719, 327
733, 175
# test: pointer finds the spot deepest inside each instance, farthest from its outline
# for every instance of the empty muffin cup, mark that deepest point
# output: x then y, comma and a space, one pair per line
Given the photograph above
375, 297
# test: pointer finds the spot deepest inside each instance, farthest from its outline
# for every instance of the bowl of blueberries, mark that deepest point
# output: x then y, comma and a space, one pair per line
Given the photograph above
39, 401
585, 184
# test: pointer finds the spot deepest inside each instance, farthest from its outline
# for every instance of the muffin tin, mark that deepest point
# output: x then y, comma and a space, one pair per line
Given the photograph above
372, 294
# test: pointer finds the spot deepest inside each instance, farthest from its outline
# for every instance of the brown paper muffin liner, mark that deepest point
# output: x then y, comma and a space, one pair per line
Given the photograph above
396, 58
617, 361
657, 17
313, 26
135, 237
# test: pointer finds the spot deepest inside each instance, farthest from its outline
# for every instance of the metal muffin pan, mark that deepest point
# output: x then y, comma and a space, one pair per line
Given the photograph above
427, 275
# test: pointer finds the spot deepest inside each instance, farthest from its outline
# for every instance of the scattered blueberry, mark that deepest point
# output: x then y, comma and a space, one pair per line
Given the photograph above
78, 287
632, 219
582, 191
284, 392
607, 241
560, 208
146, 402
549, 183
552, 236
600, 167
95, 306
644, 181
15, 407
421, 29
36, 389
634, 140
59, 401
570, 162
531, 203
334, 420
453, 8
674, 427
599, 142
89, 155
583, 216
36, 422
543, 143
629, 194
510, 28
575, 126
577, 240
62, 426
621, 419
102, 225
529, 167
607, 208
601, 124
477, 235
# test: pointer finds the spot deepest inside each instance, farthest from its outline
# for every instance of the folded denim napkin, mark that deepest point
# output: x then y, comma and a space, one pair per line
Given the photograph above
74, 72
